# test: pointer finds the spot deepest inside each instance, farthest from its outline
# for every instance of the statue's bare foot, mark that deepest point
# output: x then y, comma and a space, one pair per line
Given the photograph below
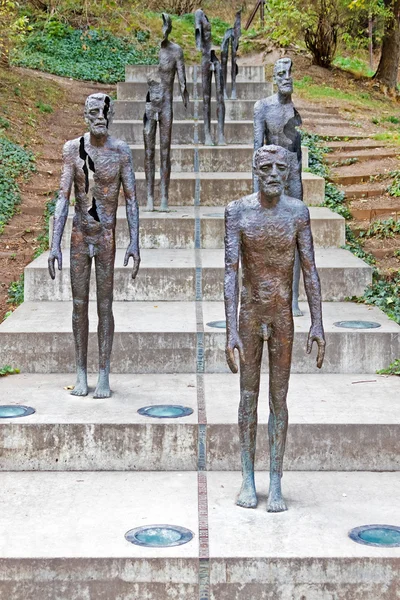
164, 206
296, 311
275, 502
150, 206
233, 95
81, 386
103, 386
221, 141
247, 496
208, 141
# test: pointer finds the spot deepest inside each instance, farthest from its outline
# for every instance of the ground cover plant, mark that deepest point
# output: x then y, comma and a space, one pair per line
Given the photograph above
15, 163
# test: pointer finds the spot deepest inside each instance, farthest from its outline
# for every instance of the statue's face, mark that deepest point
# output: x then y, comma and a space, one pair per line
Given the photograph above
272, 171
96, 116
283, 78
167, 25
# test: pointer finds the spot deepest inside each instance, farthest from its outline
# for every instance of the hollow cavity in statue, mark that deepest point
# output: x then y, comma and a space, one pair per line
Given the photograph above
159, 108
262, 232
93, 231
275, 122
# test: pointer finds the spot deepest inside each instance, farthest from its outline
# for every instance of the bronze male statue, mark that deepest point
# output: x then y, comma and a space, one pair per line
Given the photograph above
209, 65
231, 39
275, 122
159, 107
262, 231
93, 231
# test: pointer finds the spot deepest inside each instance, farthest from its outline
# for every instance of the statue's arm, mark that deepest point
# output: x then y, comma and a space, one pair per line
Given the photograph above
231, 286
132, 209
61, 210
180, 67
259, 132
311, 284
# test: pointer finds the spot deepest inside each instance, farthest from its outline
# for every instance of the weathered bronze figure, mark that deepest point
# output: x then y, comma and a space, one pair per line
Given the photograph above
275, 122
159, 107
231, 39
209, 65
93, 231
263, 230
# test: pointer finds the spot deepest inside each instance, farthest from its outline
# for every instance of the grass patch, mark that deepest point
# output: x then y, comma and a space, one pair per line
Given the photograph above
354, 65
16, 292
15, 163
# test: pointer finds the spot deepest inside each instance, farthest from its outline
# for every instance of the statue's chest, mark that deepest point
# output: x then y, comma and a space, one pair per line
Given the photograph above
103, 167
279, 118
270, 234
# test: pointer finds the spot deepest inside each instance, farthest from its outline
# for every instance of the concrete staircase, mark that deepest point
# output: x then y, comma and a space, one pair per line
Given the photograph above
79, 473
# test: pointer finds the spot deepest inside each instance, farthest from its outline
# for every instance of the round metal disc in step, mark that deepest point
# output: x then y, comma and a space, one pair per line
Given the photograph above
159, 536
357, 324
165, 411
217, 324
13, 411
380, 536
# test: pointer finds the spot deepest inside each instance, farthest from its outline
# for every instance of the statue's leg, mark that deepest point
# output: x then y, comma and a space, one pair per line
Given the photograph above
206, 83
149, 137
104, 262
224, 67
249, 390
296, 284
280, 357
80, 281
234, 71
220, 104
165, 149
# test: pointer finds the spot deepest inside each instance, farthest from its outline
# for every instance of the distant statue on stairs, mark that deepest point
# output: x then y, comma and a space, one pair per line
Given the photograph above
231, 39
93, 231
159, 108
262, 233
276, 121
210, 64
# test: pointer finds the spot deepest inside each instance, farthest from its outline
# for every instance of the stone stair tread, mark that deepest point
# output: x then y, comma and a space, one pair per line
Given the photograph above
372, 167
177, 317
182, 258
83, 521
339, 399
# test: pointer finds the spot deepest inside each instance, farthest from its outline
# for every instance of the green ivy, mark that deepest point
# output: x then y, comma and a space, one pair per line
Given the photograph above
7, 370
385, 293
334, 198
95, 55
16, 291
353, 244
392, 369
15, 162
381, 229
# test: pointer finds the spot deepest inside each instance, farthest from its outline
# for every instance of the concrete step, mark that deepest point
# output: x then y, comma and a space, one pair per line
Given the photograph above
216, 159
244, 90
366, 171
162, 337
235, 110
176, 229
246, 73
80, 549
170, 275
219, 188
359, 145
331, 417
363, 155
366, 190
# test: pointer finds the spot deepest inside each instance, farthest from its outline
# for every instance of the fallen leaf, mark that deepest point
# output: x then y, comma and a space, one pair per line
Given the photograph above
69, 387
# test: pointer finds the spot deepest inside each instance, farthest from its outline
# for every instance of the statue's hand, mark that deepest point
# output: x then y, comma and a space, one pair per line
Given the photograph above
233, 342
316, 334
133, 252
55, 255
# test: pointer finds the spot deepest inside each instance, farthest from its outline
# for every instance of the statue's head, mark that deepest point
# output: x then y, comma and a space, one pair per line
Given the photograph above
283, 76
99, 112
271, 165
167, 26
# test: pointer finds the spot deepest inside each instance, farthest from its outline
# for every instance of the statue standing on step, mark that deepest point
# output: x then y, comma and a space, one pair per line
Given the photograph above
209, 65
93, 231
275, 122
159, 107
231, 38
262, 231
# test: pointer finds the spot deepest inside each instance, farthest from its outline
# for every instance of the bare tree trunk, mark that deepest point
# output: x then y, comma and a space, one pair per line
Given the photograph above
387, 71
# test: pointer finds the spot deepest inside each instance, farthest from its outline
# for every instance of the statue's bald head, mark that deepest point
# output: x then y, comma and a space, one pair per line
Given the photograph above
167, 25
283, 75
94, 101
265, 154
